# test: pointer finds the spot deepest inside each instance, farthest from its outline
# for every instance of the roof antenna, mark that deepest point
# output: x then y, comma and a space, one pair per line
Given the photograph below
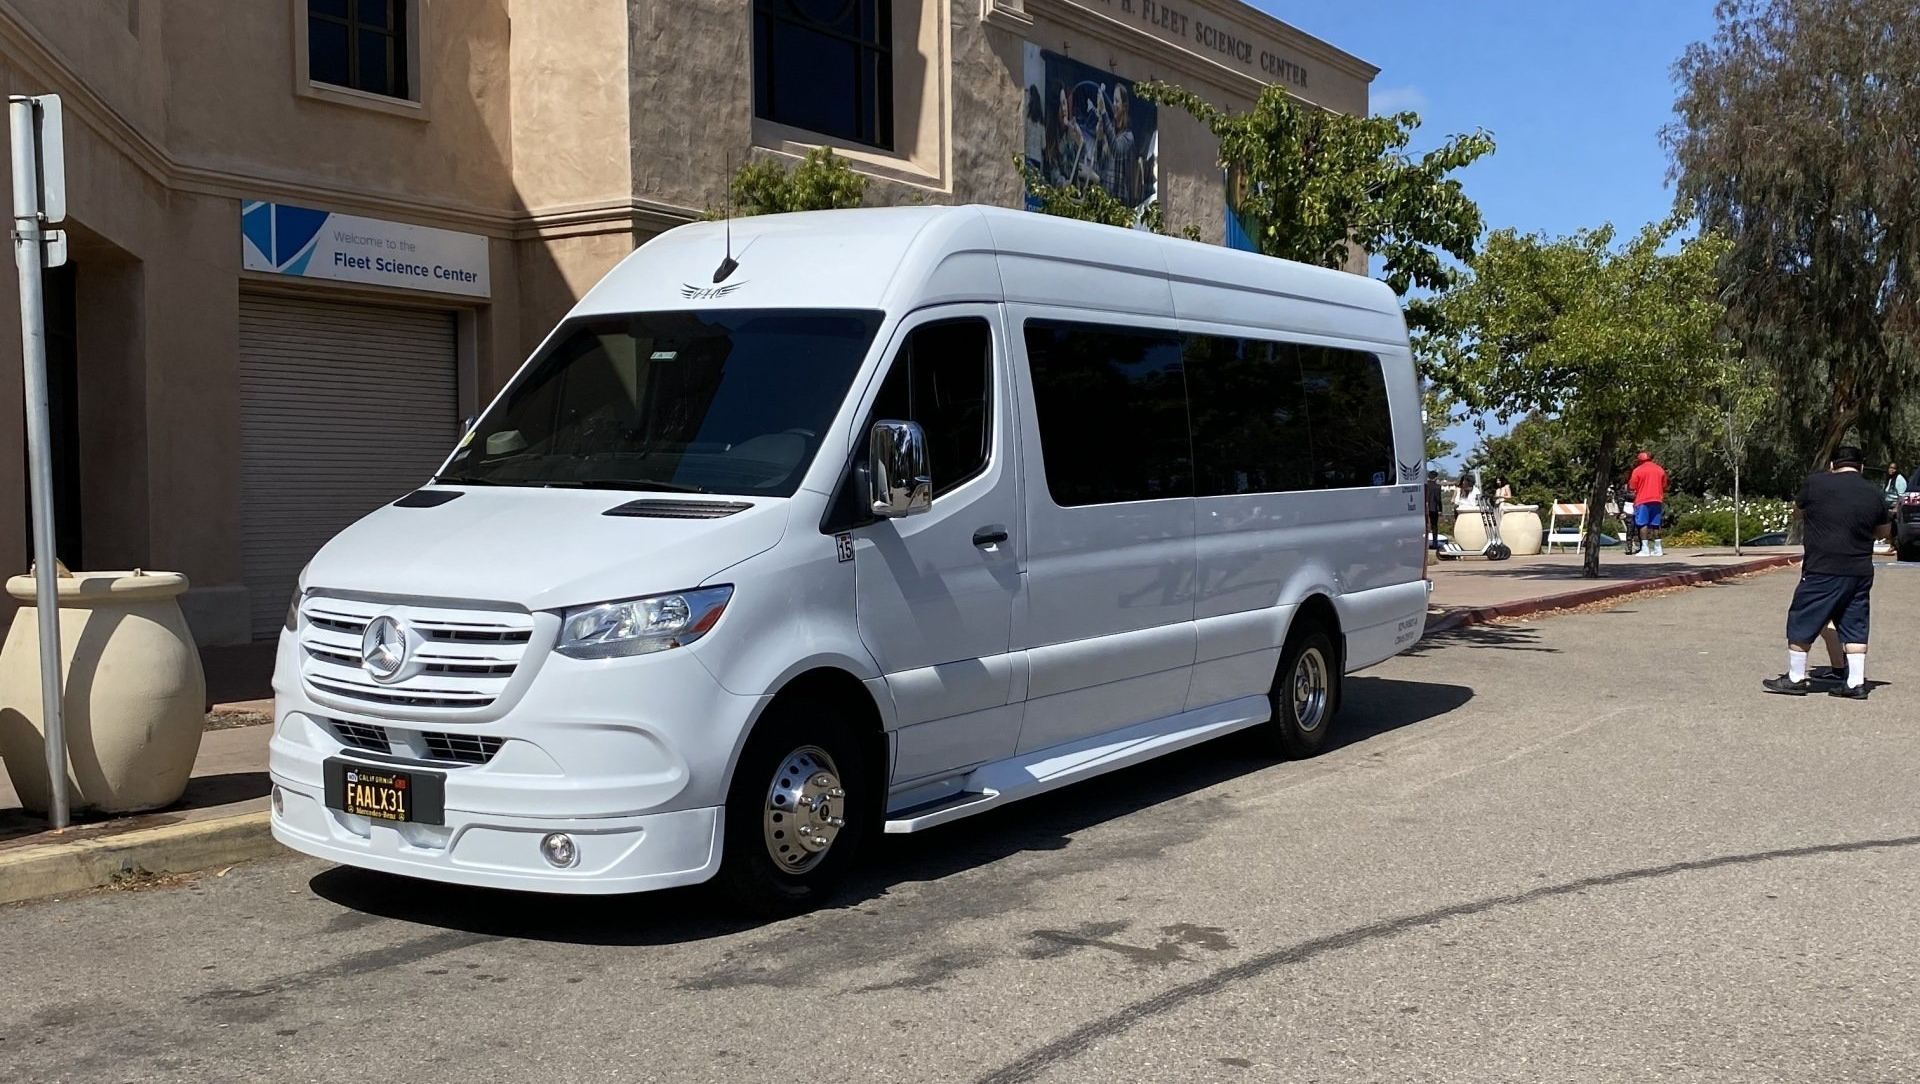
729, 265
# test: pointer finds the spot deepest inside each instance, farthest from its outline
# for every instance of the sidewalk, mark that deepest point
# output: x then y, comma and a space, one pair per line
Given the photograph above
223, 817
1474, 590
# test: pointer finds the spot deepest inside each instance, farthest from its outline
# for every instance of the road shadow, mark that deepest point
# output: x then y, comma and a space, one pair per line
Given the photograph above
1495, 635
1373, 706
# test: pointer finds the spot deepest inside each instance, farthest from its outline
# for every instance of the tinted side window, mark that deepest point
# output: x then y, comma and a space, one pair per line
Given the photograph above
1250, 432
943, 379
1346, 395
1112, 409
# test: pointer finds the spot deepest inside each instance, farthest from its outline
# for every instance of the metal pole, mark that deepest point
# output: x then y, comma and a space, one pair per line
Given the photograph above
28, 253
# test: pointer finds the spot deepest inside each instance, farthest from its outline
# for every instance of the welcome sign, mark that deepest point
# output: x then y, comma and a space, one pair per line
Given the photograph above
283, 239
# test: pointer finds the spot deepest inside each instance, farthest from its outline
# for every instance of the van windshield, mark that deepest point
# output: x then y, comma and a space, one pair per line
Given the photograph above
731, 402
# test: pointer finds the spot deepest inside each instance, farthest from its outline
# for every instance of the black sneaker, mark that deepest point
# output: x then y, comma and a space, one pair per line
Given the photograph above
1828, 673
1850, 692
1786, 686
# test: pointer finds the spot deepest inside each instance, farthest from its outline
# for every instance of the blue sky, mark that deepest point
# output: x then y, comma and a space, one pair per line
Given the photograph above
1574, 91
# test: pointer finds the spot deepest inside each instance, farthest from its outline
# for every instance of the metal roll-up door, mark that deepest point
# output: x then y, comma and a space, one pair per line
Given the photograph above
344, 407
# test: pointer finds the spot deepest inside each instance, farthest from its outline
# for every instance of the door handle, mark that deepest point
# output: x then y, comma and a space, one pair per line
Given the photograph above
989, 536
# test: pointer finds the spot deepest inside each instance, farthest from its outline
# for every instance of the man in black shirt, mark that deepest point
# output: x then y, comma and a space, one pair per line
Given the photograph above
1434, 498
1844, 514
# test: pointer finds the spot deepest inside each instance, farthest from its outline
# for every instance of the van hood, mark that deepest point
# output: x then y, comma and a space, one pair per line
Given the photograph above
543, 549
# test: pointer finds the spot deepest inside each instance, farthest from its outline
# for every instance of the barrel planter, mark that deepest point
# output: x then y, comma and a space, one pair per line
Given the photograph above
135, 698
1468, 532
1520, 528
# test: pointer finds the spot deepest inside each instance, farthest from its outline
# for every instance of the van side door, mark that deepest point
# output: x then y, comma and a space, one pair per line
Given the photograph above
1107, 459
936, 591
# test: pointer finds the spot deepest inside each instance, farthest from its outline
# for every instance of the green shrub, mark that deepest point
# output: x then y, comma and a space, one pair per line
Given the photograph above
1692, 540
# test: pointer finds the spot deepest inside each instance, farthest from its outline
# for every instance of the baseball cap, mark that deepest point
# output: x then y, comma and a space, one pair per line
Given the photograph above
1847, 456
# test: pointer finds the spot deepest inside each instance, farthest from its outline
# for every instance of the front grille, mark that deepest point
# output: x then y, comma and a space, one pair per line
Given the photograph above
463, 661
465, 748
372, 739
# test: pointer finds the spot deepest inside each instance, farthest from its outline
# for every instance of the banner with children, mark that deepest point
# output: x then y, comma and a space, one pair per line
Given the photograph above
1086, 126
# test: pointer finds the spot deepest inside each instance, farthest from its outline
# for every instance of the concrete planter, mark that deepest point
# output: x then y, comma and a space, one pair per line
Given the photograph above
135, 695
1520, 528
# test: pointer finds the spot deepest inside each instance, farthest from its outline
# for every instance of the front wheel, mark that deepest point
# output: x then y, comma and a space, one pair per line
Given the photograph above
1305, 695
801, 803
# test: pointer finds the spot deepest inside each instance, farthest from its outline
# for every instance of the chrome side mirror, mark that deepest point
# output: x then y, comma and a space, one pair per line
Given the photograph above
897, 468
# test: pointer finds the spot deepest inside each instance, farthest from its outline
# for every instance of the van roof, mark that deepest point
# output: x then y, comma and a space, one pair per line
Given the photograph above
900, 258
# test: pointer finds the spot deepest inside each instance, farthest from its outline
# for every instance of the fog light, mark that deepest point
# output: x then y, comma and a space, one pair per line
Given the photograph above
279, 802
559, 850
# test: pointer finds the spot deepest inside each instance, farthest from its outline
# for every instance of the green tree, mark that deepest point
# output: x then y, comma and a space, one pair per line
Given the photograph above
1742, 399
821, 181
1321, 185
1541, 458
1796, 138
1614, 344
1092, 203
1437, 409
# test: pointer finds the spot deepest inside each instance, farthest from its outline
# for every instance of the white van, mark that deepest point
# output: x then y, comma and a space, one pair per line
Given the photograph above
856, 521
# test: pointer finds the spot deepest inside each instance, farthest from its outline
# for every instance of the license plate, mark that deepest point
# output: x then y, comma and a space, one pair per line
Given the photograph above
386, 794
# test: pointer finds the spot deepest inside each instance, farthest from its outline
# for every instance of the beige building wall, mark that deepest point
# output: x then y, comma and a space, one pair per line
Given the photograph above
175, 113
565, 132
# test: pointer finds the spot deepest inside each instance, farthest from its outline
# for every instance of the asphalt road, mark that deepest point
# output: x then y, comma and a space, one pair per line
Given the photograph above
1582, 849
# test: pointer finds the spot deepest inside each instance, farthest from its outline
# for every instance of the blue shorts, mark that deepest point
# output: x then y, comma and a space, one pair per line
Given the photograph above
1647, 515
1820, 598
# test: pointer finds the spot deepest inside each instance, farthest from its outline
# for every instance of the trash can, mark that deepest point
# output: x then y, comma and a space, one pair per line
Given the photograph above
135, 700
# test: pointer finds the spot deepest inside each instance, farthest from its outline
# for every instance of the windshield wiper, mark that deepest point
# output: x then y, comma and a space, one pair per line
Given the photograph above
466, 480
641, 484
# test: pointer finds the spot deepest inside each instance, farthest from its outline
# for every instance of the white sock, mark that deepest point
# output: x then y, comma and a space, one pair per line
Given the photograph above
1796, 665
1856, 670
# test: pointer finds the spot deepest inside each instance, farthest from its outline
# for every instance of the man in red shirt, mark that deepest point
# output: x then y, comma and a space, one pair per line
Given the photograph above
1648, 483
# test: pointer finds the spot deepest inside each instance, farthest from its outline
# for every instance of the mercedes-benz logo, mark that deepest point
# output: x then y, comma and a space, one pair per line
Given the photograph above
383, 648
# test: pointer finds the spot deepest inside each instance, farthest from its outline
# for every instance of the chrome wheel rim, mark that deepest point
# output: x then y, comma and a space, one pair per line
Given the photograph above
805, 810
1310, 690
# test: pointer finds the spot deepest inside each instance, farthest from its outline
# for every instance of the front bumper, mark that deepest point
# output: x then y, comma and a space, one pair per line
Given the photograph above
630, 757
626, 854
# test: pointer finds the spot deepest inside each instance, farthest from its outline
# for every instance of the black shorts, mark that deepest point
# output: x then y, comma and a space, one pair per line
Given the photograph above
1820, 598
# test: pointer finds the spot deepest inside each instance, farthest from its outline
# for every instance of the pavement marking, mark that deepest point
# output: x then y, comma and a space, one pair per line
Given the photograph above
1082, 1039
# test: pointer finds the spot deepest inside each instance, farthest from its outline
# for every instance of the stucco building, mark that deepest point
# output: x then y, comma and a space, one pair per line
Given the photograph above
309, 236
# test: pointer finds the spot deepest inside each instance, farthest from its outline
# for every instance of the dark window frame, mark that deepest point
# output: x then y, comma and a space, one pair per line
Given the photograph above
398, 33
1179, 478
1290, 352
872, 77
943, 486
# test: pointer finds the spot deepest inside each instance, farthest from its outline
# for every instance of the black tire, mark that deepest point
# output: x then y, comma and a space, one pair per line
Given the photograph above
1298, 729
794, 746
1907, 551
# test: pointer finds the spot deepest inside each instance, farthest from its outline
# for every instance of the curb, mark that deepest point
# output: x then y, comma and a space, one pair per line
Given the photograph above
54, 869
1526, 607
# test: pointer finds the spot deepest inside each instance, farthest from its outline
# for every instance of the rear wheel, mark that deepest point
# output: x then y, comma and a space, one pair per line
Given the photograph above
1305, 695
801, 803
1908, 552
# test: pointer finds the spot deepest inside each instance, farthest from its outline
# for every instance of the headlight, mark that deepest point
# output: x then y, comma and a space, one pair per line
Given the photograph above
293, 612
641, 626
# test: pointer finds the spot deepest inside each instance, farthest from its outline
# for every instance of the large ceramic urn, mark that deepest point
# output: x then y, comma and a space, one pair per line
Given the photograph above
135, 698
